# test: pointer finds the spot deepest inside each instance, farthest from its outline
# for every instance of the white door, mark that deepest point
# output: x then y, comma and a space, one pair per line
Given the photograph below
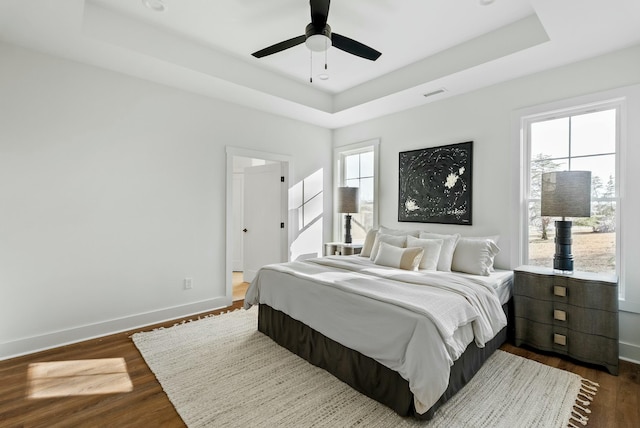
263, 217
238, 221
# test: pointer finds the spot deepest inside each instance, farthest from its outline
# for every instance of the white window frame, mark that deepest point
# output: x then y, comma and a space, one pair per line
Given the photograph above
339, 154
522, 120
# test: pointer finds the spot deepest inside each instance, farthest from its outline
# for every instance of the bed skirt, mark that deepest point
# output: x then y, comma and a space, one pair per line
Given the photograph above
365, 374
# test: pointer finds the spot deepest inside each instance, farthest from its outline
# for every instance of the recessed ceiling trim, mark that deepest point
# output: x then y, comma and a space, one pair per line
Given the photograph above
177, 49
516, 37
108, 26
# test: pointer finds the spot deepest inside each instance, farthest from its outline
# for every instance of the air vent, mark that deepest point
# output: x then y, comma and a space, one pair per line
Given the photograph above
436, 92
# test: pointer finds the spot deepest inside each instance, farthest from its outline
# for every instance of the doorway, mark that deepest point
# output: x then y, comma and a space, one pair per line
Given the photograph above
257, 182
239, 286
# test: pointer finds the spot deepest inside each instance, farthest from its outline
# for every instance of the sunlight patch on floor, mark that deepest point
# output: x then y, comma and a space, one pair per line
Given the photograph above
78, 377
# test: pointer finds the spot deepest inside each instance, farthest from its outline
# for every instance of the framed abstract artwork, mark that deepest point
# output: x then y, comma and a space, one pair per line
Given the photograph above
435, 184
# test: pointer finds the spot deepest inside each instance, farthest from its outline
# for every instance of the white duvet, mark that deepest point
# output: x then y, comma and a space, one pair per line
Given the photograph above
416, 323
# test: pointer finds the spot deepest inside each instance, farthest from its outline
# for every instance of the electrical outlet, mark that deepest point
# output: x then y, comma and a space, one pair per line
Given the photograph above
188, 283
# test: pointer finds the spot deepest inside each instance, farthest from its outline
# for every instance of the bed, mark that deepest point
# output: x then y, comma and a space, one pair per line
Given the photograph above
408, 339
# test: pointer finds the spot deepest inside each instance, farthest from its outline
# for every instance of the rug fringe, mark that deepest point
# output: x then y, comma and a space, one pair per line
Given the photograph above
579, 412
200, 317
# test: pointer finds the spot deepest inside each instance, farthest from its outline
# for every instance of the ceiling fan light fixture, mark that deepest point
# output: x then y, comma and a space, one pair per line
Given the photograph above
318, 43
155, 5
318, 39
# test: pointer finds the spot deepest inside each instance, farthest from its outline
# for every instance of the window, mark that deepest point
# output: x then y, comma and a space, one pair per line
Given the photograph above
573, 140
357, 167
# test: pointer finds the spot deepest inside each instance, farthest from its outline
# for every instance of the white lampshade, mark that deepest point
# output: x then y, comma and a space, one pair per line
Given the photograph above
348, 200
566, 194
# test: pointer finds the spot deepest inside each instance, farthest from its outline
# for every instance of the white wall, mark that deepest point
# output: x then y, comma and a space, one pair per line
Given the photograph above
112, 190
484, 116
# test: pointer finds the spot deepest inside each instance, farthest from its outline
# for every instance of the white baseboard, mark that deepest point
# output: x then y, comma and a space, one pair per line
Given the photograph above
630, 352
55, 339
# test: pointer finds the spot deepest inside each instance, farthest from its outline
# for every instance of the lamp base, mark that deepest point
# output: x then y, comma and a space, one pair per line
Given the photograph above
347, 229
563, 259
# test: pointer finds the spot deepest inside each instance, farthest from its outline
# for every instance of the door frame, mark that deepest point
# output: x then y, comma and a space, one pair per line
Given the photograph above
287, 165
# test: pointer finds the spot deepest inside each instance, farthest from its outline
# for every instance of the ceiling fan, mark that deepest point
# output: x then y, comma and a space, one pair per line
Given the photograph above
318, 37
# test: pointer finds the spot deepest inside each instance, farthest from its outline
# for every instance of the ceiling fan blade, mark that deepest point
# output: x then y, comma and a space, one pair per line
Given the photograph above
353, 47
319, 12
279, 47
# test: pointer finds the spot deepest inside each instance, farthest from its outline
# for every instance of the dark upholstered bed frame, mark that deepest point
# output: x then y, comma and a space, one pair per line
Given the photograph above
364, 374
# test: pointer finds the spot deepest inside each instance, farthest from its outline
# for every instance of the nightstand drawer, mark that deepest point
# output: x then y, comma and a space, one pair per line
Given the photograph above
542, 336
585, 347
566, 289
590, 321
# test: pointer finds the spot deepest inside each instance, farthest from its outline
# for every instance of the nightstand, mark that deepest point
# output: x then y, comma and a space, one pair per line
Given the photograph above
341, 249
570, 314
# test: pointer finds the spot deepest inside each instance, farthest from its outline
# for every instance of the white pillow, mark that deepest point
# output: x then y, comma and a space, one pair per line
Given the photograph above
388, 231
431, 247
448, 247
396, 241
494, 238
474, 256
368, 243
401, 258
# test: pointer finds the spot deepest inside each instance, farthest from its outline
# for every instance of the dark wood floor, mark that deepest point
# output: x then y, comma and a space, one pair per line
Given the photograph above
617, 403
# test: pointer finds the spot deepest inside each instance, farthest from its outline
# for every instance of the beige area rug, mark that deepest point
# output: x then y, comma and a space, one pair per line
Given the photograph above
221, 372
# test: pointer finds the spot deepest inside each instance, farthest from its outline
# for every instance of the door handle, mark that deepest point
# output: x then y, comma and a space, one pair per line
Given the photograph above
244, 230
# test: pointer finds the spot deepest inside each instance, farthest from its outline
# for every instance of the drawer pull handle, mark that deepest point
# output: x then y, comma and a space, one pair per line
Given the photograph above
560, 339
559, 315
559, 290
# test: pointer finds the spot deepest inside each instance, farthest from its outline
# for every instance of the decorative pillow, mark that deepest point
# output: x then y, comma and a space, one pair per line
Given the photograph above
369, 240
474, 256
401, 258
396, 241
448, 247
431, 247
368, 243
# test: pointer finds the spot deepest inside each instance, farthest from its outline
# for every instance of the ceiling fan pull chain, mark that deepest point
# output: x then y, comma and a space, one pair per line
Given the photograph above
326, 49
310, 67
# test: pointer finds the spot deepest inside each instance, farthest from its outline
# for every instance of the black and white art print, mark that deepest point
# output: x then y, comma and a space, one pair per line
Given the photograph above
435, 184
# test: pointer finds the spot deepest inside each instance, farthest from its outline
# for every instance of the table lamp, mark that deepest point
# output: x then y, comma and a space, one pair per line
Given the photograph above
565, 194
348, 203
